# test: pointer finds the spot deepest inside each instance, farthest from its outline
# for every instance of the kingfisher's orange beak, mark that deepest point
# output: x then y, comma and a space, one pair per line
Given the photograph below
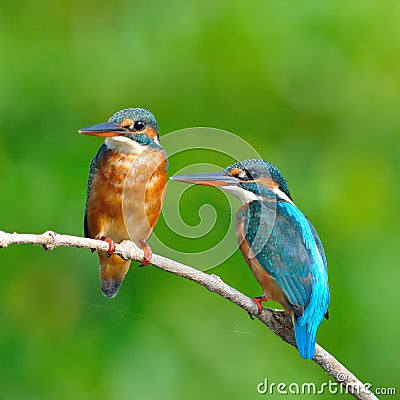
208, 179
105, 129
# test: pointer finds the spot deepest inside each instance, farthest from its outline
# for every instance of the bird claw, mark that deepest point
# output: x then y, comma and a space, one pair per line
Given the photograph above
258, 300
111, 245
147, 253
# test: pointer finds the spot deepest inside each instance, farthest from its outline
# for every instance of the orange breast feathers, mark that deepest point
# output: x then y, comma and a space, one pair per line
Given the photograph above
126, 195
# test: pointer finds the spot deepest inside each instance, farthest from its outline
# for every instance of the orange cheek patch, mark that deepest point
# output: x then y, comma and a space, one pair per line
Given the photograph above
267, 182
235, 171
150, 132
126, 123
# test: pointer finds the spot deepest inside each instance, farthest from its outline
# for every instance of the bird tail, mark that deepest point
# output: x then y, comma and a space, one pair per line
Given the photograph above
305, 337
112, 273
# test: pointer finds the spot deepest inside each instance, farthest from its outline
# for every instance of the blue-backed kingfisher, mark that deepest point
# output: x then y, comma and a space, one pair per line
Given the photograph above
278, 242
125, 189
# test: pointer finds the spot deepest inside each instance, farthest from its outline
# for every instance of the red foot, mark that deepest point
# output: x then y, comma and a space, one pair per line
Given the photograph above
111, 245
258, 300
147, 253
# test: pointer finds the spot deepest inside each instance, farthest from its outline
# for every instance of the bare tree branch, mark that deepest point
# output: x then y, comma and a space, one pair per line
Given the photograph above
276, 320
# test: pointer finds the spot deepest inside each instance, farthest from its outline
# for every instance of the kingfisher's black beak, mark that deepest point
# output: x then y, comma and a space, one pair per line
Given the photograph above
105, 129
208, 179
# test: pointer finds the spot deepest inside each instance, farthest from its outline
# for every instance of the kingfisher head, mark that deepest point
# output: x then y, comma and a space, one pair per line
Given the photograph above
128, 131
248, 180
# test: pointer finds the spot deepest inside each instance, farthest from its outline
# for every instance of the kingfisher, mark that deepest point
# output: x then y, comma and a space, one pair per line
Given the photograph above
126, 189
278, 242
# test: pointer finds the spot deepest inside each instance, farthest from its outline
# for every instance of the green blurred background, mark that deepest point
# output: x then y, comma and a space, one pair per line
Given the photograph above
314, 86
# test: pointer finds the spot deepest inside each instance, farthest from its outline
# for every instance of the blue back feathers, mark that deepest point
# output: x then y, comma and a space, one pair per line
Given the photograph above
305, 326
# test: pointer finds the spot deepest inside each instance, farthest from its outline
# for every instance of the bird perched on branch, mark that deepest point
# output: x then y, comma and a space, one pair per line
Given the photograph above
125, 189
278, 242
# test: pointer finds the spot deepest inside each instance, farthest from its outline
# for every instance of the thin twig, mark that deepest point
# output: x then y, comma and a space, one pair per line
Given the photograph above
276, 320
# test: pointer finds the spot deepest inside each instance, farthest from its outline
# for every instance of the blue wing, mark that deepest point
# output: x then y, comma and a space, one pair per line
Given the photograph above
278, 246
287, 246
93, 169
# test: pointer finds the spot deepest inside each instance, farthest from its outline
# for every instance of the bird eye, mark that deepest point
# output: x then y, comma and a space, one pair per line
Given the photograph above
138, 126
253, 174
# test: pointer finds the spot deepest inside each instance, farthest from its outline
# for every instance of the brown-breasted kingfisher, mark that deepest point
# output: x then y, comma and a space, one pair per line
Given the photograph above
279, 243
126, 189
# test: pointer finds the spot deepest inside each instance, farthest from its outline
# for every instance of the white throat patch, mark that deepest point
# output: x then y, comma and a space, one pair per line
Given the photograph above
246, 197
123, 144
243, 195
282, 195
